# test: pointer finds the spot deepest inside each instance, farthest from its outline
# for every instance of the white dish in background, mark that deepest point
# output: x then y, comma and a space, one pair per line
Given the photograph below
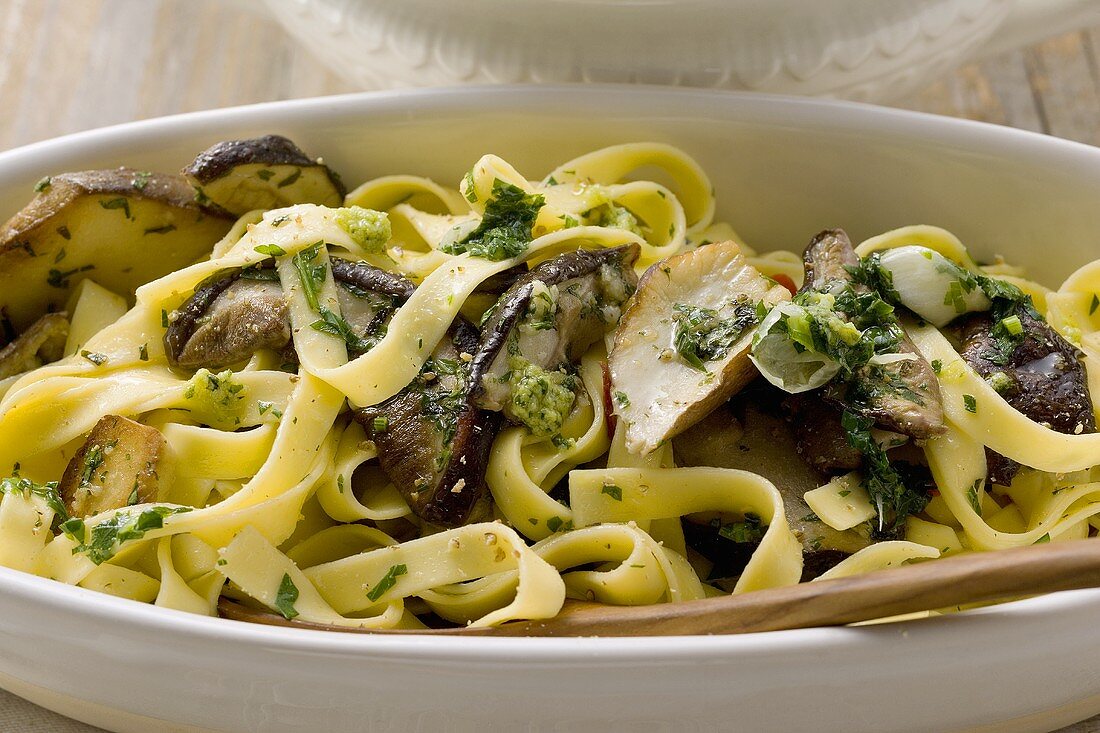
783, 169
867, 50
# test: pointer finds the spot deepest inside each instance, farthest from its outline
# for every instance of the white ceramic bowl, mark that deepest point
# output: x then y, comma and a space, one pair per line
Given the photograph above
783, 169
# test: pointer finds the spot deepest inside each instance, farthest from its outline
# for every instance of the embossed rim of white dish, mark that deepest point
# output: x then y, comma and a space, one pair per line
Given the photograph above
41, 619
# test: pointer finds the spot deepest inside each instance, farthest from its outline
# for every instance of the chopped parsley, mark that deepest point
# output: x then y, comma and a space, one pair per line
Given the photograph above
120, 202
60, 278
292, 178
42, 184
555, 524
702, 334
388, 581
271, 250
26, 488
974, 497
334, 324
312, 275
615, 492
141, 180
621, 399
749, 530
107, 536
468, 184
892, 498
379, 425
285, 597
1042, 540
505, 228
143, 352
970, 403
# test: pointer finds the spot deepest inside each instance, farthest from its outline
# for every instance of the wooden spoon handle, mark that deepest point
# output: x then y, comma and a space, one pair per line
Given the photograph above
972, 578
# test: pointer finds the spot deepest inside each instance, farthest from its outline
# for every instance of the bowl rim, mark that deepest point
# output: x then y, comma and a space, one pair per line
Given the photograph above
825, 114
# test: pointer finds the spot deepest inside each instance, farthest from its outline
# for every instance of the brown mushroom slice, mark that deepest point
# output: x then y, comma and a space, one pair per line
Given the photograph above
820, 438
902, 395
433, 442
1043, 377
247, 315
116, 467
231, 317
121, 227
683, 345
40, 344
267, 172
550, 316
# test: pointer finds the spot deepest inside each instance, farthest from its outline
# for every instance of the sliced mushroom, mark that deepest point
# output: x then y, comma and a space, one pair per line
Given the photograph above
40, 344
901, 395
267, 172
820, 438
231, 317
121, 227
549, 317
433, 441
683, 345
246, 316
116, 467
1042, 377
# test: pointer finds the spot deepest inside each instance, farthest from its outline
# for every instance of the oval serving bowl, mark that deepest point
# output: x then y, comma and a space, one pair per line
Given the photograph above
783, 169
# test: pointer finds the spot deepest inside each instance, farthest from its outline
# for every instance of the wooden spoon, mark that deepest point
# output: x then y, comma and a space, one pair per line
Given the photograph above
972, 578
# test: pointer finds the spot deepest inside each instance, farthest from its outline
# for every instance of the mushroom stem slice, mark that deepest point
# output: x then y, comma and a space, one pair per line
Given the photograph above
267, 172
683, 345
40, 344
123, 228
116, 467
433, 442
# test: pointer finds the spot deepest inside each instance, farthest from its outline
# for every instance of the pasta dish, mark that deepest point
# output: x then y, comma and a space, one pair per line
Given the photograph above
414, 406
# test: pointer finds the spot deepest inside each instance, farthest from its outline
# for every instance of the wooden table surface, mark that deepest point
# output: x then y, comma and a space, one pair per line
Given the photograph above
68, 65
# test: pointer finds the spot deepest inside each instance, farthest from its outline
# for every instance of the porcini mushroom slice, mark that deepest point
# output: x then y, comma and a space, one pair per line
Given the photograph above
121, 227
549, 317
901, 394
233, 316
1042, 376
246, 316
267, 172
433, 442
40, 344
683, 345
116, 467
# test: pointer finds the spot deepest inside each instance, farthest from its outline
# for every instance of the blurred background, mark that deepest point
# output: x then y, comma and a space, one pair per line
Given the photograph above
68, 65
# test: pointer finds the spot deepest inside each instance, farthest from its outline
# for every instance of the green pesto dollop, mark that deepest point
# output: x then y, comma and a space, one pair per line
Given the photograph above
617, 217
369, 228
540, 399
216, 399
